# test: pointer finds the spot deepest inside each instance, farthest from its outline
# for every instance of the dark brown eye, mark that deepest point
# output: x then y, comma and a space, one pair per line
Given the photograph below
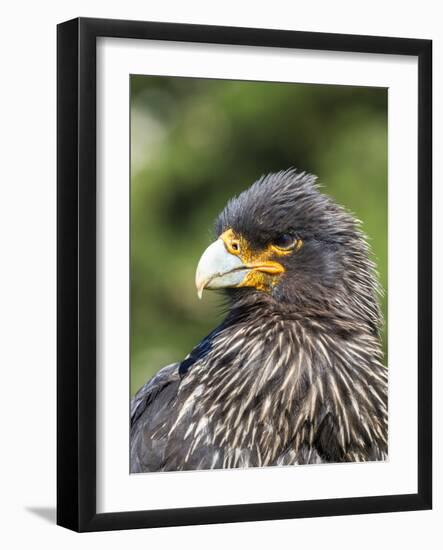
285, 241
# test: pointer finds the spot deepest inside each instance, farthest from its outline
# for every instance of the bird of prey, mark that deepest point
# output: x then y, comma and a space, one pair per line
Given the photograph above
294, 374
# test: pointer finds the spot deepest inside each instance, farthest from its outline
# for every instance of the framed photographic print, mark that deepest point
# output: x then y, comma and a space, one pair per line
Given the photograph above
244, 274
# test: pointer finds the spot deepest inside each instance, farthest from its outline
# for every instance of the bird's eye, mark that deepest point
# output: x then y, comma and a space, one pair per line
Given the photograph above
285, 241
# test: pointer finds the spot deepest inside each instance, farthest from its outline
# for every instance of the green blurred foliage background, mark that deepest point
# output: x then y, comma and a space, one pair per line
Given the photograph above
194, 144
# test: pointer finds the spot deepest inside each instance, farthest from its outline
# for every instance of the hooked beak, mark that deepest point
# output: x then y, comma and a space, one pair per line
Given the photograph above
218, 268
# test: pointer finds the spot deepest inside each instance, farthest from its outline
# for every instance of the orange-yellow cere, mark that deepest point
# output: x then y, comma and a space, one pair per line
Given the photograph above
264, 270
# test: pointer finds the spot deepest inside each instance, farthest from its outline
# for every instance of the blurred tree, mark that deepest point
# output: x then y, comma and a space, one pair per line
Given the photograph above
194, 144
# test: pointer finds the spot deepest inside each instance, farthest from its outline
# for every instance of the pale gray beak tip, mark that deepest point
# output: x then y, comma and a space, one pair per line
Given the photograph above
218, 268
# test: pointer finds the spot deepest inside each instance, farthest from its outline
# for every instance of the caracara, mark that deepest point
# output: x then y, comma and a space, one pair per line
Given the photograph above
294, 374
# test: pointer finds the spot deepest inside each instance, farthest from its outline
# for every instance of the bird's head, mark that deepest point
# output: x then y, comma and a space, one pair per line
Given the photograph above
284, 240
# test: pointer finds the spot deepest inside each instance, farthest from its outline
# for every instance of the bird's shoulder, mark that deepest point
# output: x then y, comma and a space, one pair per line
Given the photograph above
148, 393
150, 410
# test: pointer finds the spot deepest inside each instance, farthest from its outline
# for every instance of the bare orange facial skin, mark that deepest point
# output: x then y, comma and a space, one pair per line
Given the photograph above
265, 271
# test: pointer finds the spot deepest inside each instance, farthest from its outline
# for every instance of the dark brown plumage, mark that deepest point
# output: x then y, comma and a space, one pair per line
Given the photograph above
294, 373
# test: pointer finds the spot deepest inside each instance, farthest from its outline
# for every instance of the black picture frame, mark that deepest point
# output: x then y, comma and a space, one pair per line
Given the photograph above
76, 280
